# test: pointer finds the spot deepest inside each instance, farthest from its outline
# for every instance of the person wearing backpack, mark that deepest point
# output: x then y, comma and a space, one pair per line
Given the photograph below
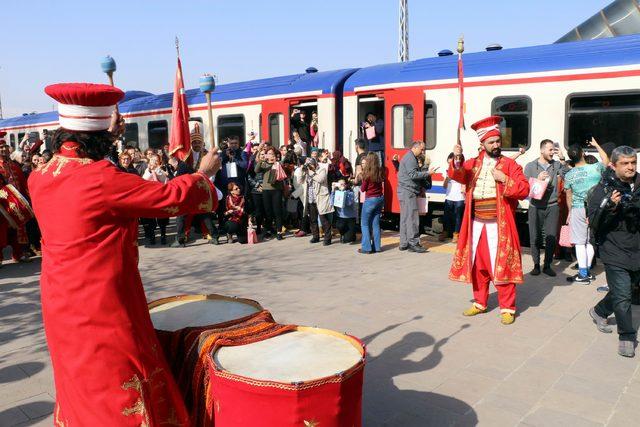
578, 181
613, 209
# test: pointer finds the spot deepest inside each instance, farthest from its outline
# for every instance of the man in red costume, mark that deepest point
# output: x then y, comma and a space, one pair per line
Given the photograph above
108, 366
12, 173
488, 246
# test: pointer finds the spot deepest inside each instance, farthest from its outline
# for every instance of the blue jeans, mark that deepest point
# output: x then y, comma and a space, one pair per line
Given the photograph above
370, 224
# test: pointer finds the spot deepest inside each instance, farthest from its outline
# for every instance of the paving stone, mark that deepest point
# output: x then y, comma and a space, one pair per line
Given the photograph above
545, 417
12, 416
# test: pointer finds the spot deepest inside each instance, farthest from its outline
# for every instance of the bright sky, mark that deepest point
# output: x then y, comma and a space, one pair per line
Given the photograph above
47, 41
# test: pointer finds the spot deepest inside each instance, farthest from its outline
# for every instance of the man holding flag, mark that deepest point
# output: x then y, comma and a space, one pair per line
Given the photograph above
488, 247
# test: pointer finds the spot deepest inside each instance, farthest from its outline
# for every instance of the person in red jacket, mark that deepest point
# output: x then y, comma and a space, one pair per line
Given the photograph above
488, 246
108, 365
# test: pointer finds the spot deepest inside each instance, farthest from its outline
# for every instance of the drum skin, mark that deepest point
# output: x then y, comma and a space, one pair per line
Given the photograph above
176, 344
14, 207
334, 401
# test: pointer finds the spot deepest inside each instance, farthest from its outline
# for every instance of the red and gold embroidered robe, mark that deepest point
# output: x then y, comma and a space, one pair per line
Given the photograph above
108, 367
508, 266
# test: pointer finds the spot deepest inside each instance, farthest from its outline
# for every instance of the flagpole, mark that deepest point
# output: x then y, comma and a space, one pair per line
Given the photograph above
460, 50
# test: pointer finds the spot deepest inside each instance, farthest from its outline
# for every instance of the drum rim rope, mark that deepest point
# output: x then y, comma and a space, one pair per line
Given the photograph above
301, 385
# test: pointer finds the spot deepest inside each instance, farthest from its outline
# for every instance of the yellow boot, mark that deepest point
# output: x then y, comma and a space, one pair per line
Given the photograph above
474, 310
507, 318
455, 238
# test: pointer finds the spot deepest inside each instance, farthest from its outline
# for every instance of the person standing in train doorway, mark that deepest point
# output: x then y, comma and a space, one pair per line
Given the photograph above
488, 247
373, 132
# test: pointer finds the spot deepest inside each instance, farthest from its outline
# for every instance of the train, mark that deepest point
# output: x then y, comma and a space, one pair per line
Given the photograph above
565, 92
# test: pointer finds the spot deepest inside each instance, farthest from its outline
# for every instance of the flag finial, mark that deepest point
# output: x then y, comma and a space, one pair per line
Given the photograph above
461, 44
177, 47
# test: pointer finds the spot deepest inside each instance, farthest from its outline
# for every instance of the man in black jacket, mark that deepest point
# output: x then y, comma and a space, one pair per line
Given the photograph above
613, 208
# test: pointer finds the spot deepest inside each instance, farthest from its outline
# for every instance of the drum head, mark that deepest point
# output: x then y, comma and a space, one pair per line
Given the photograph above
303, 355
198, 311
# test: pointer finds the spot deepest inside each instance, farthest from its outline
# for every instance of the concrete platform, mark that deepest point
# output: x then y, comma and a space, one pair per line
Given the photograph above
427, 364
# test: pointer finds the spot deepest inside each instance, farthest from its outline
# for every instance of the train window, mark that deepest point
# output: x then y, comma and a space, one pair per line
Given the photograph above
608, 117
20, 136
430, 125
12, 140
131, 134
231, 125
516, 126
402, 126
158, 133
274, 129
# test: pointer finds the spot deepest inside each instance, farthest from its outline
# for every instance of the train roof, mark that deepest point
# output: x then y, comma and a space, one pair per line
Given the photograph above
607, 52
52, 116
325, 82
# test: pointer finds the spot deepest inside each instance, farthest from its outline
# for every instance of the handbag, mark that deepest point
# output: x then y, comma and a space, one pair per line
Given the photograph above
281, 175
292, 205
252, 237
338, 198
370, 132
537, 188
423, 205
565, 237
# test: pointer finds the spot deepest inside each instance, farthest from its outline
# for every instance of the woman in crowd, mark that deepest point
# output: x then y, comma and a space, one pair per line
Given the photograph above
372, 184
271, 194
255, 179
155, 173
125, 163
37, 161
313, 129
577, 182
235, 216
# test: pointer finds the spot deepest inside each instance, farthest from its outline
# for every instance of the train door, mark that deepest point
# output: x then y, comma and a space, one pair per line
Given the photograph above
404, 110
274, 125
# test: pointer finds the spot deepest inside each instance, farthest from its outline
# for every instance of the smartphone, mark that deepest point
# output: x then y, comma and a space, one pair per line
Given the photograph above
33, 136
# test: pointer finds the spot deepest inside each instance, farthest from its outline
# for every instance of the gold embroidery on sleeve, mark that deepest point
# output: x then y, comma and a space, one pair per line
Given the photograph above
171, 210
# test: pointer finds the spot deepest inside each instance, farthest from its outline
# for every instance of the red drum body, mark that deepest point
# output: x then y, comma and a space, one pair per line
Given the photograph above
14, 207
302, 377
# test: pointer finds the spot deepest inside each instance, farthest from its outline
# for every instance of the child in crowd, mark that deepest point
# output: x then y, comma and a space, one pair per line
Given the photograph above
345, 208
235, 215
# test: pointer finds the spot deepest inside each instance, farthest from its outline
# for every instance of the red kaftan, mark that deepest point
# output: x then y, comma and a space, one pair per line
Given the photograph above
108, 367
508, 266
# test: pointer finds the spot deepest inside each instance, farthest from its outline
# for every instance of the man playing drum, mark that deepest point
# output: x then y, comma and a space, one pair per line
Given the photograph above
11, 173
488, 246
108, 365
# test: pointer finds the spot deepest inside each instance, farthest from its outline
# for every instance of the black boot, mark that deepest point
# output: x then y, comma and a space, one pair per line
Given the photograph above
536, 270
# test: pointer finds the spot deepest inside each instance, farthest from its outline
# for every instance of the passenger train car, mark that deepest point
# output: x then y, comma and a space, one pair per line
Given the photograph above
564, 92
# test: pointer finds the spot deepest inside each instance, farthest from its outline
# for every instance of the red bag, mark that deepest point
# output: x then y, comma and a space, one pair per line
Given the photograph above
281, 175
252, 237
565, 237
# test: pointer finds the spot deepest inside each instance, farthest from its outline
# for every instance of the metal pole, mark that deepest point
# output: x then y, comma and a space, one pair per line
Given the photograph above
403, 47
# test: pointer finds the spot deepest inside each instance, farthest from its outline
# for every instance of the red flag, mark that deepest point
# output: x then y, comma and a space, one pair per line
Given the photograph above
461, 92
179, 140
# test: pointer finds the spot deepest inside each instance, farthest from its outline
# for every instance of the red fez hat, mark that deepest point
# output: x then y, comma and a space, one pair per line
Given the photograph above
85, 106
2, 135
486, 128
